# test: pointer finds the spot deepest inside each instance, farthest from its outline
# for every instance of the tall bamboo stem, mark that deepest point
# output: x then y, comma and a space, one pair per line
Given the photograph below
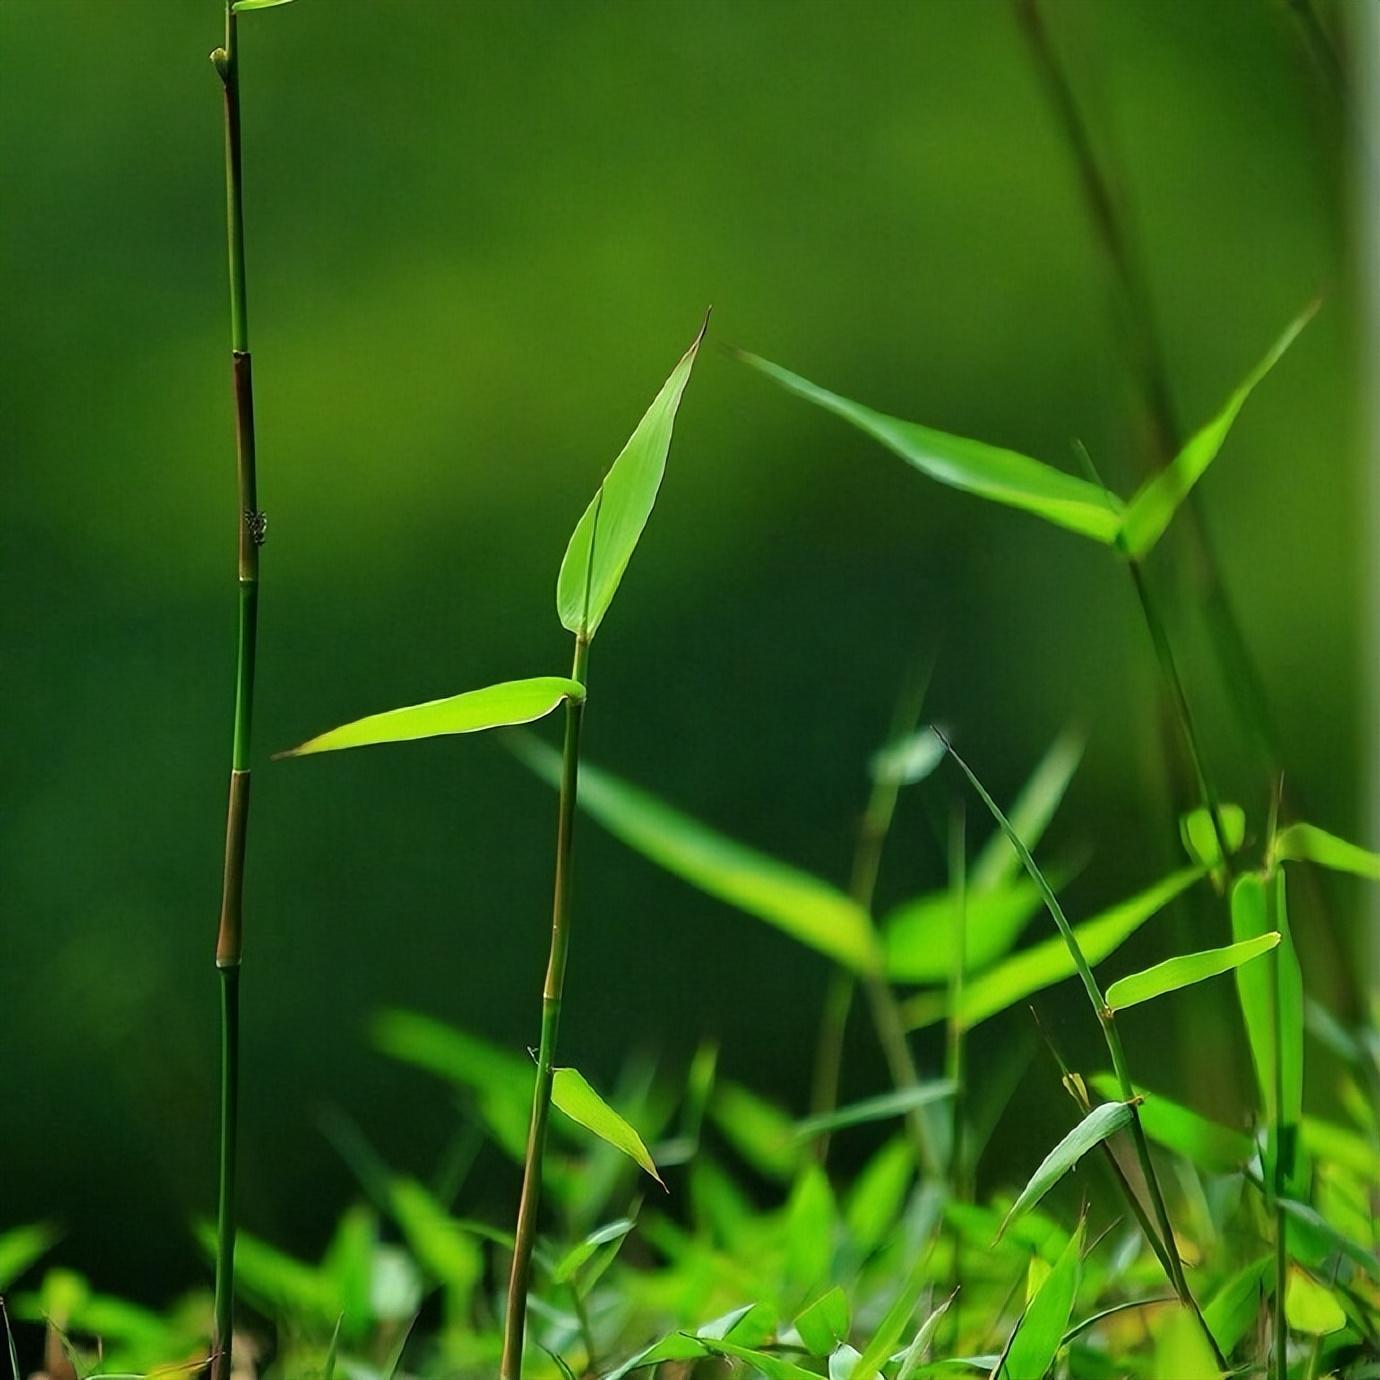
250, 527
519, 1280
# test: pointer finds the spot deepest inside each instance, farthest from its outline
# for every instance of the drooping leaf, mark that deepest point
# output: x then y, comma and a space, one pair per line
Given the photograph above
1181, 1350
1030, 814
879, 1108
618, 512
495, 706
574, 1096
1186, 969
1005, 476
806, 908
1050, 961
824, 1324
1310, 1306
1208, 1144
1308, 843
1200, 838
919, 935
1153, 507
1040, 1332
1103, 1121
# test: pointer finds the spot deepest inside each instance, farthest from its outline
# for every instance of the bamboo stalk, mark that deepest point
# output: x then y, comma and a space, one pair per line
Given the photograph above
250, 525
520, 1278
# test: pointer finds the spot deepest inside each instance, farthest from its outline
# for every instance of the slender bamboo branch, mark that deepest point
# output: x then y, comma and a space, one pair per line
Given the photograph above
250, 527
519, 1280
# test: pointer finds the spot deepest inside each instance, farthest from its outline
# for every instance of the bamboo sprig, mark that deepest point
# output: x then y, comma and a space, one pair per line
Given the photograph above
251, 527
1168, 1253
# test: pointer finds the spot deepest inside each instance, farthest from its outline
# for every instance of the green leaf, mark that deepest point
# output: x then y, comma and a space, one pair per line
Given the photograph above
879, 1191
879, 1108
1103, 1121
909, 761
913, 1354
1200, 838
988, 471
463, 1059
1186, 969
279, 1284
616, 515
1314, 1223
244, 6
810, 1217
1234, 1308
1308, 843
1153, 507
773, 1367
1181, 1350
824, 1324
1050, 961
919, 935
440, 1244
1040, 1331
806, 908
894, 1321
1207, 1144
1030, 814
1311, 1307
573, 1095
495, 706
759, 1130
20, 1247
571, 1262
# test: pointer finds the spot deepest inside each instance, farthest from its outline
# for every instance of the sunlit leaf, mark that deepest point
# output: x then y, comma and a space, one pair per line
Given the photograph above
914, 1353
579, 1254
895, 1320
20, 1247
759, 1130
1181, 1350
574, 1096
1040, 1332
919, 935
1209, 1145
244, 6
453, 1054
909, 761
879, 1191
1103, 1121
495, 706
1308, 843
1200, 838
810, 1218
806, 908
1185, 969
279, 1283
824, 1324
619, 510
1004, 476
1311, 1307
1153, 507
438, 1242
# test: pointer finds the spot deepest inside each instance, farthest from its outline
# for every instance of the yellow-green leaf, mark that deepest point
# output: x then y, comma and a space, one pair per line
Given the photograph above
1200, 838
1308, 843
1040, 1331
495, 706
574, 1096
1311, 1307
608, 531
1181, 1350
1186, 969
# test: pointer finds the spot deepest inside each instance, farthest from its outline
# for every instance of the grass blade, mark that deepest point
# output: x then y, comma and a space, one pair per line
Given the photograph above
1101, 1122
1154, 504
806, 908
574, 1096
495, 706
1308, 843
589, 579
1004, 476
1186, 969
894, 1321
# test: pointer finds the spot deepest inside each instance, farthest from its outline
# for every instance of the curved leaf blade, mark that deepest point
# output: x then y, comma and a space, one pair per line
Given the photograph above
803, 906
1308, 843
1208, 1144
609, 529
880, 1108
1103, 1121
245, 6
920, 935
1004, 476
1186, 969
573, 1095
495, 706
1040, 1332
1154, 504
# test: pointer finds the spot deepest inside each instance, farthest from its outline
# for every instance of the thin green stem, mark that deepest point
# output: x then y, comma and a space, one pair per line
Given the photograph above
519, 1281
250, 530
1277, 1168
955, 1052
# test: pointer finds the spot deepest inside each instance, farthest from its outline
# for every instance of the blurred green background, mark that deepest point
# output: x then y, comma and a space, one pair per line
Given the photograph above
479, 235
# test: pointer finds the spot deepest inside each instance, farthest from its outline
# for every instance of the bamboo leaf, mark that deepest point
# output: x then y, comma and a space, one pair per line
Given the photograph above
1308, 843
577, 1256
759, 1130
773, 1367
811, 1213
1314, 1223
1209, 1145
806, 908
1234, 1307
618, 512
919, 935
1004, 476
463, 1059
574, 1096
878, 1192
1200, 838
824, 1324
1030, 813
1182, 1351
1311, 1307
1186, 969
20, 1247
244, 6
1050, 960
914, 1353
495, 706
880, 1108
1040, 1332
1101, 1122
1153, 506
894, 1321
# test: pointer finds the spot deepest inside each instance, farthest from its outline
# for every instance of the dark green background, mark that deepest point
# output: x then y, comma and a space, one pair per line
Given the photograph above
479, 236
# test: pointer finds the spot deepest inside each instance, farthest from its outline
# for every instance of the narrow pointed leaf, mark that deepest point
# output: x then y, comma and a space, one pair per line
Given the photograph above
773, 1367
1186, 969
574, 1096
1308, 843
880, 1108
616, 515
20, 1247
1004, 476
1208, 1144
1153, 507
1181, 1350
759, 1130
806, 908
1040, 1332
1030, 814
1103, 1121
1233, 1309
495, 706
244, 6
824, 1324
914, 1353
919, 935
894, 1321
577, 1256
456, 1055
